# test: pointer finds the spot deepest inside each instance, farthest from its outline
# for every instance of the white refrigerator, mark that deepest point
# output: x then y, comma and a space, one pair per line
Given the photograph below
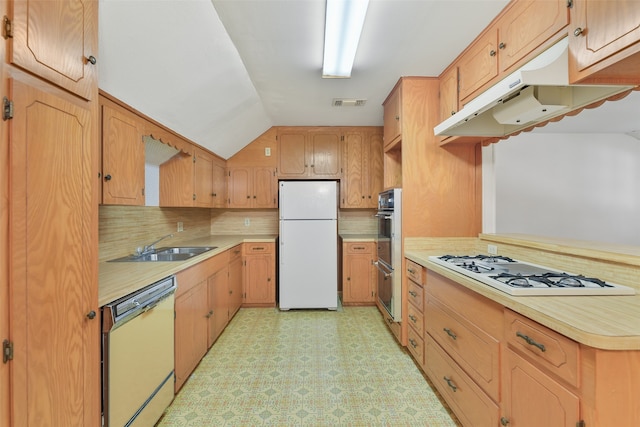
308, 250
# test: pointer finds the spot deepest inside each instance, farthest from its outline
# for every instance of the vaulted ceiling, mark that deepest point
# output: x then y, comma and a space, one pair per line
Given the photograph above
222, 72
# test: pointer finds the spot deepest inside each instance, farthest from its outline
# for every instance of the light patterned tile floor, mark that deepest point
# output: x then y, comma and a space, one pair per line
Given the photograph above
306, 368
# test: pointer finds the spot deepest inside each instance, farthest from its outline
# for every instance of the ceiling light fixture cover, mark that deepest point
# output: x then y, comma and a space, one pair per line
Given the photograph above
343, 25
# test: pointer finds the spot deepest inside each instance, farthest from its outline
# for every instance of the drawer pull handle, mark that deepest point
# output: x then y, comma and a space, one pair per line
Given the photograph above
451, 384
359, 248
413, 318
450, 333
411, 270
413, 343
413, 293
504, 421
258, 248
531, 341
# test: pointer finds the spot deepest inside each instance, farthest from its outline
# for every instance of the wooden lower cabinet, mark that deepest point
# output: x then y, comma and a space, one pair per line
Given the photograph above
235, 280
259, 287
359, 274
415, 310
218, 300
190, 330
531, 398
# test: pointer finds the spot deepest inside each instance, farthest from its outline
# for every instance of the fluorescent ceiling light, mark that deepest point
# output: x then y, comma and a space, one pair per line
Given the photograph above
343, 24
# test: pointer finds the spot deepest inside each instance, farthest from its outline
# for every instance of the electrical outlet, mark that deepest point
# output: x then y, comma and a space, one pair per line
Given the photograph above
267, 151
492, 249
247, 222
180, 227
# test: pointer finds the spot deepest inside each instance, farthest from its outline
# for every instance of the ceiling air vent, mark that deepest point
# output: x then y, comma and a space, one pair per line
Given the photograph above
348, 102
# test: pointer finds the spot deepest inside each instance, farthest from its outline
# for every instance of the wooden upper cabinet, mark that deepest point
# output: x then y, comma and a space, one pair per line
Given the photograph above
323, 153
449, 93
57, 40
176, 181
362, 168
392, 117
525, 27
479, 64
123, 154
309, 153
252, 187
203, 179
292, 162
604, 41
219, 185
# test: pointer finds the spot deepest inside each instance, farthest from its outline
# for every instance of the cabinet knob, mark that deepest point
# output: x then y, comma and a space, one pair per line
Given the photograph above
91, 315
397, 118
578, 32
107, 177
492, 53
92, 60
502, 45
504, 421
453, 112
451, 384
348, 278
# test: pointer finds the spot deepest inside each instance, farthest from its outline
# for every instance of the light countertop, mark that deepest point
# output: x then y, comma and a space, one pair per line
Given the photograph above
607, 322
118, 279
358, 237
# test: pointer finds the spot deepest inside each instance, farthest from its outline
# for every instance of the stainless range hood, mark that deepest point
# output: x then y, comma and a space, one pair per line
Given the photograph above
536, 92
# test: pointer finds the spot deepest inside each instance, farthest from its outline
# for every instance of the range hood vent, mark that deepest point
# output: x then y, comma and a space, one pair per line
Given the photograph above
537, 92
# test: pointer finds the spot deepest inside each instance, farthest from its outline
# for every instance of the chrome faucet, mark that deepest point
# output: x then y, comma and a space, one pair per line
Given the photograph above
151, 247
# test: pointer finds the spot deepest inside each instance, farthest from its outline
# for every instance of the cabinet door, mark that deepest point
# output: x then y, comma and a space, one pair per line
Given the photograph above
324, 147
375, 168
357, 279
54, 39
478, 65
218, 296
259, 285
190, 331
53, 261
355, 182
392, 116
235, 281
265, 187
526, 26
122, 158
293, 162
545, 402
203, 179
603, 29
219, 186
176, 181
239, 187
449, 93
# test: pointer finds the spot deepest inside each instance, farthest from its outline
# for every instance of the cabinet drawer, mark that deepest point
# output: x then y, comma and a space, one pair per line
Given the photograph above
415, 344
475, 308
235, 253
470, 404
475, 351
258, 248
414, 272
550, 350
359, 247
415, 319
415, 295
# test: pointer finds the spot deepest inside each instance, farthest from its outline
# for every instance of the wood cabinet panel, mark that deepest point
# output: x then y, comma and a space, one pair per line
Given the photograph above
604, 41
470, 404
52, 174
415, 294
547, 348
54, 39
478, 65
545, 403
415, 272
252, 187
176, 181
324, 151
190, 330
449, 93
203, 179
123, 154
292, 161
362, 168
265, 188
526, 26
259, 280
219, 185
415, 344
358, 277
218, 298
235, 280
392, 118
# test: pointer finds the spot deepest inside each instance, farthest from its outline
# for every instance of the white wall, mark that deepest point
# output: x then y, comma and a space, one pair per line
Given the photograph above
579, 186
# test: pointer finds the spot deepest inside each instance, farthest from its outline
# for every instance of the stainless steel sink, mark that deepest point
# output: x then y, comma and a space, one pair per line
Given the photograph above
179, 253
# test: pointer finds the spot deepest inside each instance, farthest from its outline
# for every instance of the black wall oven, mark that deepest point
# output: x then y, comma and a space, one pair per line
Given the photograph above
390, 251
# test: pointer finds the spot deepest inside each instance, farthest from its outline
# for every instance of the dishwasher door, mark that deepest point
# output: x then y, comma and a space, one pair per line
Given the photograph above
139, 367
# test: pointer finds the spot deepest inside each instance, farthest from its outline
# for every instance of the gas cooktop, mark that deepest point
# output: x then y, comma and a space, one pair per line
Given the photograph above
522, 278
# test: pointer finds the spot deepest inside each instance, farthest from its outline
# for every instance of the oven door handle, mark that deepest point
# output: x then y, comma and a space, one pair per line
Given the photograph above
382, 269
382, 215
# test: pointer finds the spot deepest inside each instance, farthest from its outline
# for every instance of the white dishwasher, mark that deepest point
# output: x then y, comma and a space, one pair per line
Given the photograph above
137, 356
